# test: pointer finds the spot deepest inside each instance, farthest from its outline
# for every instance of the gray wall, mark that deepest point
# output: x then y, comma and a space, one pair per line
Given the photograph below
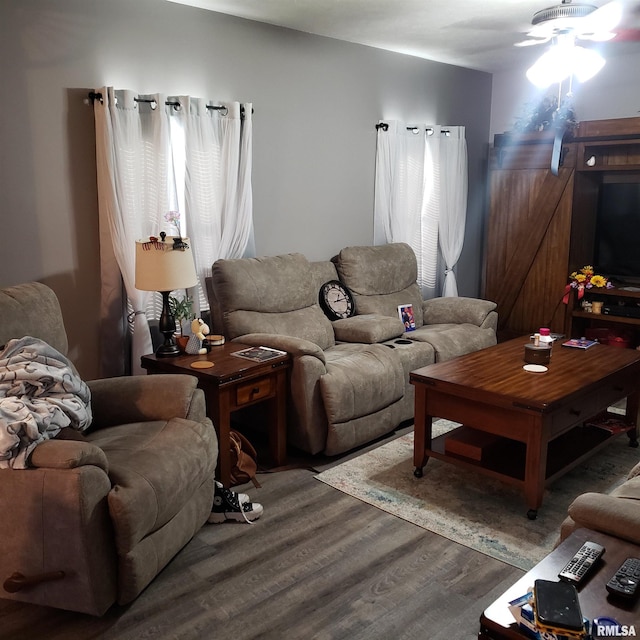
316, 103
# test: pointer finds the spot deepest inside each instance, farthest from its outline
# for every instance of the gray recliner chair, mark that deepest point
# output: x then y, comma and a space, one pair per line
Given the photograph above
93, 520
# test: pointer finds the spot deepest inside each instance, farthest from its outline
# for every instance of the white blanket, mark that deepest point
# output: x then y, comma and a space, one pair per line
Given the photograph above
40, 393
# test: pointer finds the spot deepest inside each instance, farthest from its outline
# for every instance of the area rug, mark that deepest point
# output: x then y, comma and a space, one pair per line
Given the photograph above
471, 509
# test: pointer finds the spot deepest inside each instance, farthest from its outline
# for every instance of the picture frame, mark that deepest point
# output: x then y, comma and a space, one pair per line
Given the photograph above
405, 313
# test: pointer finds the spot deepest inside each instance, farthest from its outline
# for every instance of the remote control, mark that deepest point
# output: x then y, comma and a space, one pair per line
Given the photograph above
626, 579
576, 569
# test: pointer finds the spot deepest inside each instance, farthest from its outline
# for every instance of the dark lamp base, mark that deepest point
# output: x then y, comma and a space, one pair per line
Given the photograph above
168, 350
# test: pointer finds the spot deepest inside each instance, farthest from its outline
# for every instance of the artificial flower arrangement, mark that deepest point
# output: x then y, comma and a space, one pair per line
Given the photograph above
173, 218
583, 279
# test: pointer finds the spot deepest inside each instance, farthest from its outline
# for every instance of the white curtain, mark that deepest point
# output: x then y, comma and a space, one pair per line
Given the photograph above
132, 155
420, 196
218, 197
453, 199
169, 165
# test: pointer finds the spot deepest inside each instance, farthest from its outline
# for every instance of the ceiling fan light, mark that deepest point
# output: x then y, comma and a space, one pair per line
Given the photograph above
559, 62
552, 67
586, 63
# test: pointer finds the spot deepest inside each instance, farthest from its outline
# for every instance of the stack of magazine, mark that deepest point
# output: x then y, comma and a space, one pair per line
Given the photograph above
524, 612
259, 354
580, 343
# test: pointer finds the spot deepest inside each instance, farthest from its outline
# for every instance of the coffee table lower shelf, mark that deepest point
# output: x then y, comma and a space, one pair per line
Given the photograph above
504, 459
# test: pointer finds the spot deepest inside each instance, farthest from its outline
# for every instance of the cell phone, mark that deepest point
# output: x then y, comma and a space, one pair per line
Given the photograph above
557, 606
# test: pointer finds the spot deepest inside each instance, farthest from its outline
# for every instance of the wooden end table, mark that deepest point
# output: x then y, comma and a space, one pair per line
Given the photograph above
233, 383
497, 623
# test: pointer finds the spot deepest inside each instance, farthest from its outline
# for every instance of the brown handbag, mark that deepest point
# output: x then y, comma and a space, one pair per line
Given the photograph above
244, 465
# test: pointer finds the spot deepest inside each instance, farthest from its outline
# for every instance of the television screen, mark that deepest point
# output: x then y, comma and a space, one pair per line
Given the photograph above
617, 243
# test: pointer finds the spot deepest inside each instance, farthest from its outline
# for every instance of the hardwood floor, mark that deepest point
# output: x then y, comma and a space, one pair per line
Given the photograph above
318, 565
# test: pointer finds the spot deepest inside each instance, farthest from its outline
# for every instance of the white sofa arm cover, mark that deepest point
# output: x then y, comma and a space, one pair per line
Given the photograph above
367, 329
456, 310
296, 347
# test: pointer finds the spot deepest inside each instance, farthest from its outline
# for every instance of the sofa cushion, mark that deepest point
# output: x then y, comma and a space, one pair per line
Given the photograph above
453, 340
367, 329
322, 271
155, 468
32, 309
381, 278
275, 294
629, 489
360, 380
457, 310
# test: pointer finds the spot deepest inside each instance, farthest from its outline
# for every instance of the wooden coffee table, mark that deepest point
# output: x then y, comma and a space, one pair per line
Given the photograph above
497, 623
538, 418
233, 383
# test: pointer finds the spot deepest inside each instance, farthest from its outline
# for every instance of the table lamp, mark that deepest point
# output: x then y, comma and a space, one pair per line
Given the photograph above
164, 264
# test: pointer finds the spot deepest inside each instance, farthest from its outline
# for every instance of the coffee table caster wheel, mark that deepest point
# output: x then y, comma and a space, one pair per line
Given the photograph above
417, 472
532, 514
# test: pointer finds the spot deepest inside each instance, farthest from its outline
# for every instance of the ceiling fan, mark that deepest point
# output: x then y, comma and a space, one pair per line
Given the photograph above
565, 25
580, 21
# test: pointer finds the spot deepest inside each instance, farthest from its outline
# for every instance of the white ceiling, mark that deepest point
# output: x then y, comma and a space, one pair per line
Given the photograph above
477, 34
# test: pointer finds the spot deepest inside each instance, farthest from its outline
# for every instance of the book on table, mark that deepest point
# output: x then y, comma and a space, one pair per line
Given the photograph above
579, 343
259, 354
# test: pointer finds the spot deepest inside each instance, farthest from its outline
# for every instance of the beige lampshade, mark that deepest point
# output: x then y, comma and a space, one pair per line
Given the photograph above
161, 267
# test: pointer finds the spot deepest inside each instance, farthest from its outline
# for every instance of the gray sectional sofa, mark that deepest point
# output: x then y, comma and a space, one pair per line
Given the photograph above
350, 378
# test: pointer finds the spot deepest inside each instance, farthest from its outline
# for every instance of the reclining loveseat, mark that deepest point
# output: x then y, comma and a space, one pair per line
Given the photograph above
350, 377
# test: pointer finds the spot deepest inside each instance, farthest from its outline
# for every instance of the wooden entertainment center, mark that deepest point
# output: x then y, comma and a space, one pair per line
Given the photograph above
541, 226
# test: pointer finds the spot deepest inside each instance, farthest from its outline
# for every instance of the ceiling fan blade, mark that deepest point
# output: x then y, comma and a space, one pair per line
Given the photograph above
600, 36
603, 20
531, 42
546, 31
627, 35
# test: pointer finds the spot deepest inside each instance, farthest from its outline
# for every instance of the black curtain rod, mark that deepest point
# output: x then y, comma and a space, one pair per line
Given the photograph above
385, 127
170, 103
175, 103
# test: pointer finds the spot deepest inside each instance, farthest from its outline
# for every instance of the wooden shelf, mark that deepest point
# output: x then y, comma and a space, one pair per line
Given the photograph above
609, 155
607, 318
505, 459
616, 292
581, 320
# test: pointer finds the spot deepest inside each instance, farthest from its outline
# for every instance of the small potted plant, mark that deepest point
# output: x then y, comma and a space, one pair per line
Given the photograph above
182, 311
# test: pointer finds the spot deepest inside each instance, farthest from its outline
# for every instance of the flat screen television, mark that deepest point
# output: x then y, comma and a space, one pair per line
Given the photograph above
617, 241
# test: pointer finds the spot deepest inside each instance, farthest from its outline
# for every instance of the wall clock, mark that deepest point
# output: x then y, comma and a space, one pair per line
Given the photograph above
336, 300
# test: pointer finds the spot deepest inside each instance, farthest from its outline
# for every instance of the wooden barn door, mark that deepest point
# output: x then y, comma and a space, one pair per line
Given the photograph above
528, 237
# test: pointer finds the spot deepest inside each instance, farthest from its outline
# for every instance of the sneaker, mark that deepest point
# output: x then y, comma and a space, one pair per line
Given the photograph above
242, 497
229, 505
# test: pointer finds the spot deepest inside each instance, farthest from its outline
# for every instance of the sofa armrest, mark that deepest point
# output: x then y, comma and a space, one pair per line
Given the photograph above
453, 310
367, 329
619, 517
127, 399
67, 454
296, 347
